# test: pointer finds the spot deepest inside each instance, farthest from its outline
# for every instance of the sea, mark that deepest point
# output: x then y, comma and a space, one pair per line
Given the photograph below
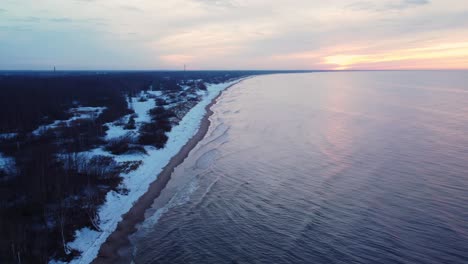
326, 167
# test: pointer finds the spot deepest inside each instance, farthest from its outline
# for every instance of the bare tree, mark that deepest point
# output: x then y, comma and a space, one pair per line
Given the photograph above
62, 219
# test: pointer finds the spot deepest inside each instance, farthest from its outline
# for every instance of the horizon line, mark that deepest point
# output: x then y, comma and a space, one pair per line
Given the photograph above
225, 70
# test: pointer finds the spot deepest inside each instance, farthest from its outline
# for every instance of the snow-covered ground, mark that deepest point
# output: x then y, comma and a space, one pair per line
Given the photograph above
88, 241
85, 112
5, 161
82, 112
141, 108
7, 135
7, 164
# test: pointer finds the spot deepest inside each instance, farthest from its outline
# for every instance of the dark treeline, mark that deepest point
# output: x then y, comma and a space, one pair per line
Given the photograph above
52, 190
28, 100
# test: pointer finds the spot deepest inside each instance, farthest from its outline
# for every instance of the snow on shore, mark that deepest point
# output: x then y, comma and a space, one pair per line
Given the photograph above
137, 182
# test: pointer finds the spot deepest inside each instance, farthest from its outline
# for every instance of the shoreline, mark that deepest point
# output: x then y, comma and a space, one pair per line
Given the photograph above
119, 238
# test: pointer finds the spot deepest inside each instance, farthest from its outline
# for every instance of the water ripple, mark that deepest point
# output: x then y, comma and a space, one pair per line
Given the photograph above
323, 168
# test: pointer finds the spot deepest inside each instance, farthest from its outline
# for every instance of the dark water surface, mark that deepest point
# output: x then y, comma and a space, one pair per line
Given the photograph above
351, 167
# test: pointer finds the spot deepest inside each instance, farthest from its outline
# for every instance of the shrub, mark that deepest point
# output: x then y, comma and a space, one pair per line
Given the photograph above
131, 123
157, 112
160, 102
129, 166
124, 145
160, 113
102, 167
118, 146
201, 86
135, 148
151, 134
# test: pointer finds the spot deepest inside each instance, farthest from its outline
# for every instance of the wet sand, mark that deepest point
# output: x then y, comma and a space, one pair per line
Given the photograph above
113, 250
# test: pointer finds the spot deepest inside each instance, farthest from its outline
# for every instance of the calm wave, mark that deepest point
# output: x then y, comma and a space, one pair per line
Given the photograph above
349, 167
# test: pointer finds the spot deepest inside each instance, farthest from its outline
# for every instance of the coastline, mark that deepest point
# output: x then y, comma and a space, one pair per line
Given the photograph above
119, 238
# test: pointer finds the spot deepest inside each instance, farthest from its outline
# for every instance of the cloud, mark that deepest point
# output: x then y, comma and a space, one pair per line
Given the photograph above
218, 3
61, 20
216, 34
2, 10
383, 6
92, 21
416, 2
14, 28
30, 19
433, 52
132, 8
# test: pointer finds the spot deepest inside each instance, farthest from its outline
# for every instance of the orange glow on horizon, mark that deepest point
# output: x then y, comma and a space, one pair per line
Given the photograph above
446, 55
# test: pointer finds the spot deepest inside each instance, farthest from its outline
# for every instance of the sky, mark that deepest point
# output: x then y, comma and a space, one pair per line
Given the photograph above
233, 34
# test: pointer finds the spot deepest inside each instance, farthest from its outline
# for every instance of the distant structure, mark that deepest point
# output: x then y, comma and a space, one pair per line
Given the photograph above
54, 68
184, 68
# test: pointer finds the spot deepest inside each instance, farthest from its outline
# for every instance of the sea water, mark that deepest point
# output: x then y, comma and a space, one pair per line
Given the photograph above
337, 167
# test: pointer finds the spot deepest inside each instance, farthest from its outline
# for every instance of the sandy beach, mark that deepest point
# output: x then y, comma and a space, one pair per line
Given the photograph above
112, 251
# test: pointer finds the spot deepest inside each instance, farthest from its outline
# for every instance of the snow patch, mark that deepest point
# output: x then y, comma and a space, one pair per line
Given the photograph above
116, 131
8, 165
86, 112
6, 161
79, 113
8, 135
155, 93
141, 108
